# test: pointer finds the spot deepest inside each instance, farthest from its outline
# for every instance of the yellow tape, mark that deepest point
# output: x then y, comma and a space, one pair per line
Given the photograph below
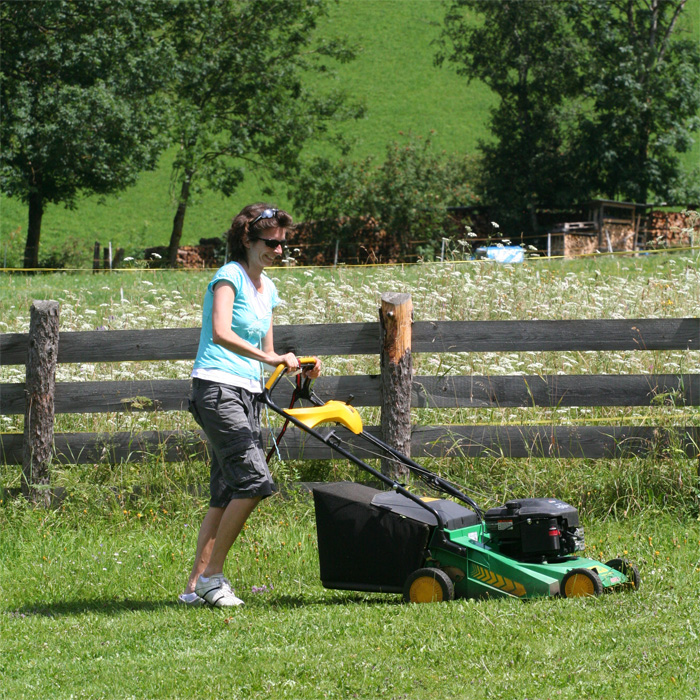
538, 258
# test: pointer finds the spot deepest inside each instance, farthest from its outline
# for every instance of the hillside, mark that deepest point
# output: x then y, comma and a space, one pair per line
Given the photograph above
394, 77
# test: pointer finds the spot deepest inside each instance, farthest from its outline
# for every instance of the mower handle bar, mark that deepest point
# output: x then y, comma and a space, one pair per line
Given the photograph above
304, 363
442, 484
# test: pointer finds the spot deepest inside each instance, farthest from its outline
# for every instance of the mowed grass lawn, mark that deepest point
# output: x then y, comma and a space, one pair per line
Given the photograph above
88, 611
88, 589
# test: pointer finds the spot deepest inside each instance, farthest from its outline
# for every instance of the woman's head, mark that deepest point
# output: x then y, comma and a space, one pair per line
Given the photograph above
251, 223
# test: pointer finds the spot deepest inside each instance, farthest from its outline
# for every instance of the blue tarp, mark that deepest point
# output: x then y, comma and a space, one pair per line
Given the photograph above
504, 254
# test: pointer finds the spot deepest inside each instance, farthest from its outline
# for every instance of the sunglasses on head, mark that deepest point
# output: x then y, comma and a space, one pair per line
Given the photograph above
271, 242
266, 214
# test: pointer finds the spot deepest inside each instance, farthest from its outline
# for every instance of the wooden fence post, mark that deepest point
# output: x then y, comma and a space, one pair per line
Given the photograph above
96, 258
396, 317
118, 257
39, 410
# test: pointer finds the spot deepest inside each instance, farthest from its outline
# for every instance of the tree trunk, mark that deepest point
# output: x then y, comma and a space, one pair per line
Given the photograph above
39, 409
179, 220
396, 318
643, 155
36, 212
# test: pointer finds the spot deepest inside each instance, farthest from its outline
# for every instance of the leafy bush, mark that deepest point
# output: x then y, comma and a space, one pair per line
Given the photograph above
405, 197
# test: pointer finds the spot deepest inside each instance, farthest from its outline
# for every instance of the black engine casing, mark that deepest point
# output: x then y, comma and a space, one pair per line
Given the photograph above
532, 529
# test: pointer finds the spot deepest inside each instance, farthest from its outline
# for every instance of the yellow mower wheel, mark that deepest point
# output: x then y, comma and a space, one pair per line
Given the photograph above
428, 585
581, 583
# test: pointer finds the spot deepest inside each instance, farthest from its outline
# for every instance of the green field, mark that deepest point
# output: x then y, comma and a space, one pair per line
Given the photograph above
394, 77
88, 611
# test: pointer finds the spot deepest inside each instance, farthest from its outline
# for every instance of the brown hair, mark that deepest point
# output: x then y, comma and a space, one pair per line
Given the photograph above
241, 225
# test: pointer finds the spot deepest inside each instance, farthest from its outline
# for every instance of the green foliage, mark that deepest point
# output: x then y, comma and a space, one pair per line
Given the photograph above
405, 197
643, 85
77, 98
393, 75
595, 98
526, 53
242, 99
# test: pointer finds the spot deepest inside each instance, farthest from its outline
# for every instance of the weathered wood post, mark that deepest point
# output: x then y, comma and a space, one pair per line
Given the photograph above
96, 258
118, 257
39, 410
396, 317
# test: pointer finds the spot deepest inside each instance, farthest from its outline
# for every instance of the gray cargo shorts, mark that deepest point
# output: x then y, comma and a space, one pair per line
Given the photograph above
230, 418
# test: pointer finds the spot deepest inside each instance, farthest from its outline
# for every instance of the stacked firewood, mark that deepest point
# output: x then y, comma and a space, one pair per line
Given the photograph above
209, 253
669, 229
201, 256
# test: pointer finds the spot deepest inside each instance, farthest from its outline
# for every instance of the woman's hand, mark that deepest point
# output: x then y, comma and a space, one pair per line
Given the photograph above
289, 360
313, 372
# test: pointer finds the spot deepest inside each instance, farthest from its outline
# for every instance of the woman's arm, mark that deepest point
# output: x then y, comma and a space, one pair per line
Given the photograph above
222, 315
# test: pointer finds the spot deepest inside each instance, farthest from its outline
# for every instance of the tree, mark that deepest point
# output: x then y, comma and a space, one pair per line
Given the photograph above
410, 191
527, 54
643, 83
242, 99
596, 97
407, 195
78, 81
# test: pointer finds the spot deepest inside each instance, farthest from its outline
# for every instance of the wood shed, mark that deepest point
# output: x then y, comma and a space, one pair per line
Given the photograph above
609, 227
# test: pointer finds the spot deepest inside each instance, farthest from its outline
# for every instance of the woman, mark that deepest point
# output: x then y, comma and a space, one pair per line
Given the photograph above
236, 338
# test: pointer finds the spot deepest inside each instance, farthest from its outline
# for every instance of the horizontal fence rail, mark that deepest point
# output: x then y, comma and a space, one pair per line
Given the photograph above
576, 442
555, 391
362, 339
440, 392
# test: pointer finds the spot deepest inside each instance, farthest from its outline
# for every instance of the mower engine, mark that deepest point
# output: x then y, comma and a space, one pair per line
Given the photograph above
535, 529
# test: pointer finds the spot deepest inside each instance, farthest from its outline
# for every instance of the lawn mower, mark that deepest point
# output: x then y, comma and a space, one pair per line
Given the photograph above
437, 549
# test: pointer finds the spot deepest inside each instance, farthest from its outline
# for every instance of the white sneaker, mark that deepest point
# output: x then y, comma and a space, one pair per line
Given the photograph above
216, 590
191, 599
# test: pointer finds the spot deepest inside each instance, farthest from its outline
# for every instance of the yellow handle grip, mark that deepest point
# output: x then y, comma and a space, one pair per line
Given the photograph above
281, 368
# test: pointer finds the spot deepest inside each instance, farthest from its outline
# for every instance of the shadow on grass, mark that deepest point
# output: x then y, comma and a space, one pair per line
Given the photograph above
122, 606
349, 598
103, 607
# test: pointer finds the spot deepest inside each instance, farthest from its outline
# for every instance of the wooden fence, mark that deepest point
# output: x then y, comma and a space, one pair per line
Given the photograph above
433, 337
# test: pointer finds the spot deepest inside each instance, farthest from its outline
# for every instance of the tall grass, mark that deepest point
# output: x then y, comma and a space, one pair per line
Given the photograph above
663, 285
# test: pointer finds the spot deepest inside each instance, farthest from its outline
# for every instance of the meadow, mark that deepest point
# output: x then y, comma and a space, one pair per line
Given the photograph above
393, 76
88, 589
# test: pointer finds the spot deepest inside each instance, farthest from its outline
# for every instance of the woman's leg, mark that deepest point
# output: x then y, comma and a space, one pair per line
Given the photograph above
230, 525
205, 543
239, 478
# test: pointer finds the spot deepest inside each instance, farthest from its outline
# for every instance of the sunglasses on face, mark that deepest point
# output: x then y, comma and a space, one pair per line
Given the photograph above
271, 242
266, 214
